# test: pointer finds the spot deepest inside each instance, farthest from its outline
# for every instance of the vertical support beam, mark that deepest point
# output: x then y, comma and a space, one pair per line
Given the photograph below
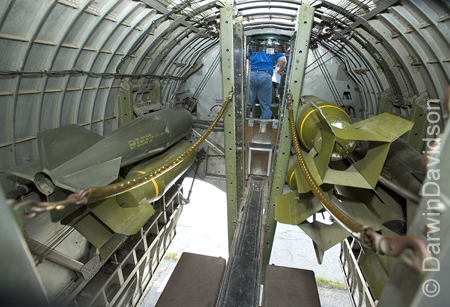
297, 64
239, 106
226, 52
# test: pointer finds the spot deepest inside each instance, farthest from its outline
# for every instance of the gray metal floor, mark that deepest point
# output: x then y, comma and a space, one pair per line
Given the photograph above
202, 229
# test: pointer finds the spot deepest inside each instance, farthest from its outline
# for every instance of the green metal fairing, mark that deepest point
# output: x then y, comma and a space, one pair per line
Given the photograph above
294, 208
128, 212
326, 131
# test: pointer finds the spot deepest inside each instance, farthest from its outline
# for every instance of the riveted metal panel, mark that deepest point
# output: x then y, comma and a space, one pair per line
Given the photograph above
49, 115
18, 269
226, 50
239, 105
5, 108
68, 108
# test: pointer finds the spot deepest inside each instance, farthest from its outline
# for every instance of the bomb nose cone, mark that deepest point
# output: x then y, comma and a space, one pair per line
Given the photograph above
310, 126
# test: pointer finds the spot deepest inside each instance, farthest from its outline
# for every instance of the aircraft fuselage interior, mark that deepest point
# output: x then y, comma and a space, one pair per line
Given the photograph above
297, 109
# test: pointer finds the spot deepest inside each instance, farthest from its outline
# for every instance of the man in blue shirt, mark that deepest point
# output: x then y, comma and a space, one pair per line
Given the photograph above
261, 79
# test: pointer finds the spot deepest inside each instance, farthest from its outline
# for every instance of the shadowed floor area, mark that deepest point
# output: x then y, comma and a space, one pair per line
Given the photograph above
202, 229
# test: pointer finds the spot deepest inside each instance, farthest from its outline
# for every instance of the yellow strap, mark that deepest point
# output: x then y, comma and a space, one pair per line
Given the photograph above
292, 175
140, 172
154, 182
156, 187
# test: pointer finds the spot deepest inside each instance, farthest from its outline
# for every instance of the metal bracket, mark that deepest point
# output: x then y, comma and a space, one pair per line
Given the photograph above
275, 123
262, 126
259, 147
91, 267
